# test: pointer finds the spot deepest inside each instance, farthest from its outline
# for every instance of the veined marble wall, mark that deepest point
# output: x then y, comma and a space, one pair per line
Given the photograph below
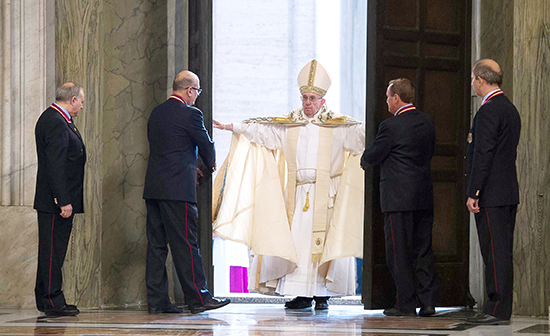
118, 52
517, 35
79, 59
532, 98
26, 87
134, 81
496, 36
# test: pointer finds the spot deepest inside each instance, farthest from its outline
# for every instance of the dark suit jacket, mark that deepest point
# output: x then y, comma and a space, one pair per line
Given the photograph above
61, 159
404, 147
491, 154
175, 131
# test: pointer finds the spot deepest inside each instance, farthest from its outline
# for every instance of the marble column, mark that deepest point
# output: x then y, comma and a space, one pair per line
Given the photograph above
531, 74
134, 81
26, 88
79, 59
493, 33
496, 36
517, 35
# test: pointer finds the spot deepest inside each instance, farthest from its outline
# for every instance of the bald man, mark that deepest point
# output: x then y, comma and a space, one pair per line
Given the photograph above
493, 193
59, 194
176, 133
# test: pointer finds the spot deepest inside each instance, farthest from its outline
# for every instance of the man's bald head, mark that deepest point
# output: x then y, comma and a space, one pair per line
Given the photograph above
184, 80
65, 92
489, 70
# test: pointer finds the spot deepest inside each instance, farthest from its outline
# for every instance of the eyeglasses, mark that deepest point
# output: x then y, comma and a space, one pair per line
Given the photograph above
199, 90
312, 99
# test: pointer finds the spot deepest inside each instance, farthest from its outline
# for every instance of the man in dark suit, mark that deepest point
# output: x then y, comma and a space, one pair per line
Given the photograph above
59, 194
493, 192
404, 147
175, 131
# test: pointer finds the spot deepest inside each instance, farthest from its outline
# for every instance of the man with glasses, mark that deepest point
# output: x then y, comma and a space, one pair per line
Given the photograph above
59, 194
176, 134
292, 190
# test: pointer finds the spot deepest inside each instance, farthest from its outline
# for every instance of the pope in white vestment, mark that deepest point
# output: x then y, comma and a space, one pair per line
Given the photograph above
292, 190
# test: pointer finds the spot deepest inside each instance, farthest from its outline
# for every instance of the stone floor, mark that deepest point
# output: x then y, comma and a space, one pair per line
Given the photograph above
257, 319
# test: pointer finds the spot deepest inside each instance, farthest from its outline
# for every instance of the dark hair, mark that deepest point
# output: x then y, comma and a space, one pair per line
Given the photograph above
402, 87
486, 72
65, 92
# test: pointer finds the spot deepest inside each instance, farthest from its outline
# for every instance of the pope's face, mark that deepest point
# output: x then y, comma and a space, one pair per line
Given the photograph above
311, 102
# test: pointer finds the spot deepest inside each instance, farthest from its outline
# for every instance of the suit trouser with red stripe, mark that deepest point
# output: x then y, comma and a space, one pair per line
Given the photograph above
174, 223
408, 237
495, 229
54, 232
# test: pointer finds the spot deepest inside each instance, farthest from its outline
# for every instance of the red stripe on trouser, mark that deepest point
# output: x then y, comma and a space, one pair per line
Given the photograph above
51, 261
494, 262
394, 260
191, 254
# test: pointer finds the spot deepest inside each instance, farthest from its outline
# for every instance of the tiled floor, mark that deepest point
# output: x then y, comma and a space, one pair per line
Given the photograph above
255, 319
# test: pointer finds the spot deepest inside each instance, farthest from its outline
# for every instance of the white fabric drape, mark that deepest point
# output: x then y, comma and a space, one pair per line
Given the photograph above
252, 208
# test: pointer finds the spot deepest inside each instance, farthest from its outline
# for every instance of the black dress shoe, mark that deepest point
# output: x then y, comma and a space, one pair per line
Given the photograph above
397, 312
299, 302
426, 311
214, 303
69, 307
72, 307
171, 309
321, 302
65, 310
486, 319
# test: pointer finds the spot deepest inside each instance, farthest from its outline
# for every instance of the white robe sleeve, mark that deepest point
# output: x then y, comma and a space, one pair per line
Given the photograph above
271, 136
354, 140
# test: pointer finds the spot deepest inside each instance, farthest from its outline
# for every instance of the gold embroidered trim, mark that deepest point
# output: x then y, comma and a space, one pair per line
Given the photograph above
312, 71
297, 117
314, 89
311, 80
338, 120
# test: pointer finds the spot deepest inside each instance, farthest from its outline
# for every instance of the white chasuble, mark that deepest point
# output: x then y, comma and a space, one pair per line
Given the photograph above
313, 252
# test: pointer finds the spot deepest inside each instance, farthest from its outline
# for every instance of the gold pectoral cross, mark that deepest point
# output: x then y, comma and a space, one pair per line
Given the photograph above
306, 206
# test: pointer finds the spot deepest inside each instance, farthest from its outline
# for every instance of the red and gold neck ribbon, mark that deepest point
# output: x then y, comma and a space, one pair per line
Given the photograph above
178, 98
494, 94
406, 108
58, 109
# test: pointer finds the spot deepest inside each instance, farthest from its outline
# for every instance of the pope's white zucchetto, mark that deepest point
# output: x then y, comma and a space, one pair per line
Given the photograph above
314, 78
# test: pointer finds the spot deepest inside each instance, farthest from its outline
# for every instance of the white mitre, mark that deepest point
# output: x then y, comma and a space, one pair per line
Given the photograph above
314, 78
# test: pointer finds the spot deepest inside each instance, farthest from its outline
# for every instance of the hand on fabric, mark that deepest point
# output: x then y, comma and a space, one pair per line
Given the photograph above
219, 125
473, 205
66, 211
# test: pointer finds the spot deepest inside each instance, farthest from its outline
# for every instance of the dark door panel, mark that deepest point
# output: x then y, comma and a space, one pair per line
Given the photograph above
427, 41
200, 62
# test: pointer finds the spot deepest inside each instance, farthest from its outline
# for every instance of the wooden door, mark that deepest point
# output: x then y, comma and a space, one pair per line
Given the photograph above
427, 41
200, 62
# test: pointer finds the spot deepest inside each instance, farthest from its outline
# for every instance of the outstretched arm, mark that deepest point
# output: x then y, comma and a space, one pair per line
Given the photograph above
221, 126
267, 135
